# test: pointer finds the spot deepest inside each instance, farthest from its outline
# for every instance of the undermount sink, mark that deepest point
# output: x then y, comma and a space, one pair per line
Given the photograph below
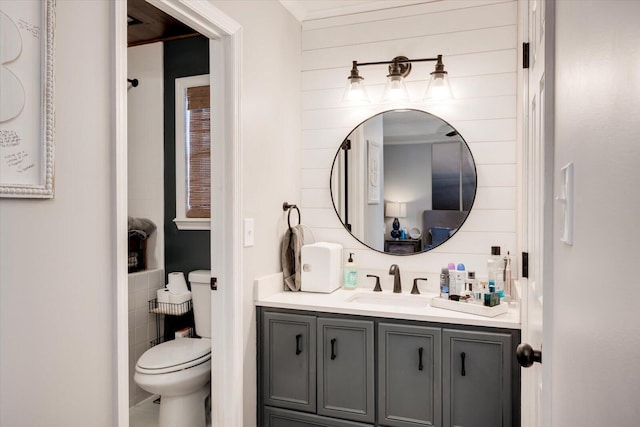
394, 300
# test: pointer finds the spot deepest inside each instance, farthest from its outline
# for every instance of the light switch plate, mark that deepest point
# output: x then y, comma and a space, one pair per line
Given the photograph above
248, 232
566, 198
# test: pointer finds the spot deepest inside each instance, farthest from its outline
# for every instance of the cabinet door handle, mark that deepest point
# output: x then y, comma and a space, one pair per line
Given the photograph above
333, 348
298, 349
463, 356
420, 367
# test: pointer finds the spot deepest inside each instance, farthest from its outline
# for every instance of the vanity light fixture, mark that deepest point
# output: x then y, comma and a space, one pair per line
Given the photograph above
395, 90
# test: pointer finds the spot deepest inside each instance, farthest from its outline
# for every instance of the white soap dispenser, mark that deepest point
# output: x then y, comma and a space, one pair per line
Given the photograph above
350, 274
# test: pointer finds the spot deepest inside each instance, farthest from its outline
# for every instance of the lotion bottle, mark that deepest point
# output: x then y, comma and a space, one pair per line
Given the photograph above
460, 276
454, 292
350, 274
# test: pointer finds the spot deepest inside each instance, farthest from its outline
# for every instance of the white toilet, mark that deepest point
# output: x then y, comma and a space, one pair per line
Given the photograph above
180, 370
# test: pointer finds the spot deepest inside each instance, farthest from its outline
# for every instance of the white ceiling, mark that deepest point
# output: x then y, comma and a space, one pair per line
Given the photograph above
305, 10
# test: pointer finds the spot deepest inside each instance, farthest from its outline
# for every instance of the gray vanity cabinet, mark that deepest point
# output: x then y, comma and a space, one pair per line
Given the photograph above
476, 379
334, 370
275, 417
409, 374
345, 369
289, 361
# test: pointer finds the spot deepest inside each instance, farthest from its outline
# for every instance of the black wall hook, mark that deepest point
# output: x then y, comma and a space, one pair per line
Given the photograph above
134, 82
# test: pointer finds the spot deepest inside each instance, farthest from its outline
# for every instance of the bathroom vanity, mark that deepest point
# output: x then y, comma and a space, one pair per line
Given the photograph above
358, 358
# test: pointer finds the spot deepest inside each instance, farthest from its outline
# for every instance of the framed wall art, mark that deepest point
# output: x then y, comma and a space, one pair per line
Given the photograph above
374, 164
26, 105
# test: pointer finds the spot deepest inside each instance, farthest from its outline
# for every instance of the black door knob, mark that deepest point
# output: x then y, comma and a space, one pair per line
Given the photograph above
527, 356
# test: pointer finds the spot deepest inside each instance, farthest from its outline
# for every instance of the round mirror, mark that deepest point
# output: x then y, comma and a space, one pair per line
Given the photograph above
403, 182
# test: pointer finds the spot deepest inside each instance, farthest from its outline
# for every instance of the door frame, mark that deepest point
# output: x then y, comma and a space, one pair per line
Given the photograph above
227, 333
543, 193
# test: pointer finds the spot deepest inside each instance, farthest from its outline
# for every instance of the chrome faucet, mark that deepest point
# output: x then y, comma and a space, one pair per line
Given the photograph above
397, 286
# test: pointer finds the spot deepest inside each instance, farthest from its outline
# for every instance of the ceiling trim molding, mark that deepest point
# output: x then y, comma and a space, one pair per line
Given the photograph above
311, 10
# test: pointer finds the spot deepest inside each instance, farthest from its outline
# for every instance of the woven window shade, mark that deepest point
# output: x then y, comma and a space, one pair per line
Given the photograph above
198, 152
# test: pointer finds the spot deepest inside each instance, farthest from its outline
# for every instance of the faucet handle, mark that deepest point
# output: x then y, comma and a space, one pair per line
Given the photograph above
377, 287
415, 289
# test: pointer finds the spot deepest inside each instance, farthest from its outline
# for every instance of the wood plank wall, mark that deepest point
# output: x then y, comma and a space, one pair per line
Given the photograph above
479, 42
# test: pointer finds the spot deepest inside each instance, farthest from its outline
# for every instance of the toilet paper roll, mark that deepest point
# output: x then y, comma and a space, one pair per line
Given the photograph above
179, 298
163, 295
177, 283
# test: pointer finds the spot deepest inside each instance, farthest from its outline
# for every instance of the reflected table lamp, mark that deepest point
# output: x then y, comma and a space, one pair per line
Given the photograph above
396, 210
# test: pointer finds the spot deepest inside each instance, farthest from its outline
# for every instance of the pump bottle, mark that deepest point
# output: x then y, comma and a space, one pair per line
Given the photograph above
350, 274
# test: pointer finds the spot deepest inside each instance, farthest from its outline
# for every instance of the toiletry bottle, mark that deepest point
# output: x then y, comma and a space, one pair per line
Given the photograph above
454, 292
444, 283
350, 274
495, 269
508, 288
480, 290
471, 284
460, 280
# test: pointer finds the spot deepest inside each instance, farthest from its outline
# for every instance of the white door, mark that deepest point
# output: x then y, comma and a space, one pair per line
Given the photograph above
538, 207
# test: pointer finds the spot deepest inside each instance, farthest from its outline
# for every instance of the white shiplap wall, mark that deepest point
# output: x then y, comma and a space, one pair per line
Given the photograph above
479, 42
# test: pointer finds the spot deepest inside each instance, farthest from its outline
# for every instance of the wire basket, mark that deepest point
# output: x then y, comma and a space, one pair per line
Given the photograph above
170, 308
191, 334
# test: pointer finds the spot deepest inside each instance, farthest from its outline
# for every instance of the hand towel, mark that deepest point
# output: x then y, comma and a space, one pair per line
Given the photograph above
292, 242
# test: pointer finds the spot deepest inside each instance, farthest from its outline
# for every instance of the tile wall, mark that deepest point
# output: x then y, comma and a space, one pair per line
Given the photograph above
143, 286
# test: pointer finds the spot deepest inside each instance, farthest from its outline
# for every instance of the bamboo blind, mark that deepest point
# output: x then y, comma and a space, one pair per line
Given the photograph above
198, 152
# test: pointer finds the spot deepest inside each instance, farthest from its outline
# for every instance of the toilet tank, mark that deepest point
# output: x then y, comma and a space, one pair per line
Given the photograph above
200, 281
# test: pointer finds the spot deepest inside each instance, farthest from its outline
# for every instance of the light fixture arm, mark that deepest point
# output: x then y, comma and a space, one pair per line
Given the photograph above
401, 65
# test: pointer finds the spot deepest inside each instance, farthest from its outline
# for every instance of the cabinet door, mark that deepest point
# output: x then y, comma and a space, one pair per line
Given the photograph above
275, 417
345, 369
289, 361
476, 379
409, 392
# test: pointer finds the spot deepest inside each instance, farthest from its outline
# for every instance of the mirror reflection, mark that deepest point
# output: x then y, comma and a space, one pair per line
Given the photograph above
403, 181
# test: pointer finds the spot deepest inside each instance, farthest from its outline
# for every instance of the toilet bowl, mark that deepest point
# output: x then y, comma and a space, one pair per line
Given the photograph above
180, 370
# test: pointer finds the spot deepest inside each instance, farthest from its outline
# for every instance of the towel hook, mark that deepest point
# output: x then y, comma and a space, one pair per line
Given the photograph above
288, 207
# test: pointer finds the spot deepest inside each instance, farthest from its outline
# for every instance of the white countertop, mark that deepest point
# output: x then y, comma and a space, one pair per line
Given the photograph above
409, 307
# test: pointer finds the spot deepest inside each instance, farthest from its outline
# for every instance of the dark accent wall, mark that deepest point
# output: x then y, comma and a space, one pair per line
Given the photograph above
185, 250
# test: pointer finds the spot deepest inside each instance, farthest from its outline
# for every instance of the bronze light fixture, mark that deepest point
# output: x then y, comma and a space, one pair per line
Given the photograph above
438, 88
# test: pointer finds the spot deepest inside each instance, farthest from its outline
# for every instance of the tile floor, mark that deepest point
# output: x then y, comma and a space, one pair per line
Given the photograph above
146, 414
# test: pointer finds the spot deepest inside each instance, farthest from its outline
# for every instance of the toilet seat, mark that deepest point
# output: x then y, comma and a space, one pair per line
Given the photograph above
175, 355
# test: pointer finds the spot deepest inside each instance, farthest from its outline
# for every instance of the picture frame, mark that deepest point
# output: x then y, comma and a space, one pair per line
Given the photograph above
27, 111
374, 169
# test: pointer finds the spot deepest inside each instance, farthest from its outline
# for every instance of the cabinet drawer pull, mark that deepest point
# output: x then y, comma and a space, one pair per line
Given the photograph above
298, 349
462, 356
333, 348
420, 367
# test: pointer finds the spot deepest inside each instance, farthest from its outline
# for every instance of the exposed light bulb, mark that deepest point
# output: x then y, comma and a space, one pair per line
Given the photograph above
395, 90
438, 89
355, 92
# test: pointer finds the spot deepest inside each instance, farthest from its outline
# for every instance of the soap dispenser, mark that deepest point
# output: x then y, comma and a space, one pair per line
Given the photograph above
350, 274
